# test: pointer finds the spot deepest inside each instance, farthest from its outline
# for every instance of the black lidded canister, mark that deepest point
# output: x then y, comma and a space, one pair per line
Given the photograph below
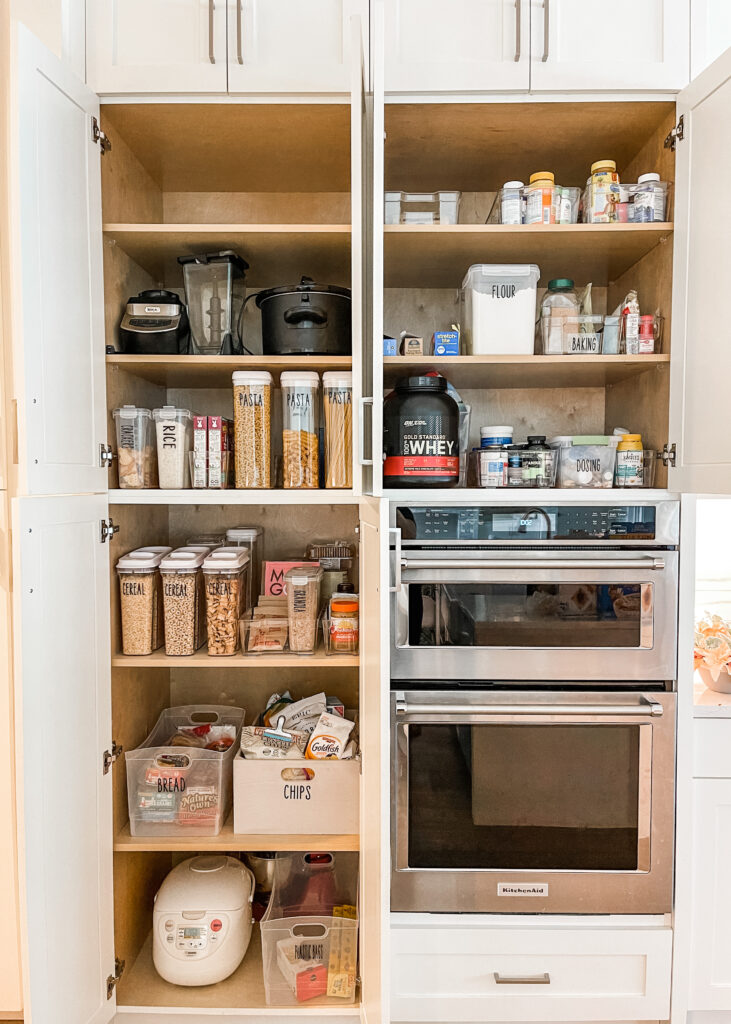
420, 434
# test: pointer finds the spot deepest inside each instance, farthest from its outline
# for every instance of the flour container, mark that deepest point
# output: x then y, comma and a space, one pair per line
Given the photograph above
499, 308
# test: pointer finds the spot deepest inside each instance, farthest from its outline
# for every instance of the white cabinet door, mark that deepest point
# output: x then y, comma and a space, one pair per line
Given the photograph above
58, 298
710, 32
625, 45
700, 354
373, 351
156, 46
360, 238
290, 46
63, 715
463, 46
710, 973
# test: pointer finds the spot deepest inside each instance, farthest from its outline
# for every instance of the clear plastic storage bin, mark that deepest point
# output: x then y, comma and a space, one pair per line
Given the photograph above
225, 572
499, 308
422, 207
174, 431
511, 467
572, 335
309, 933
586, 461
141, 602
136, 462
184, 600
640, 202
510, 204
182, 790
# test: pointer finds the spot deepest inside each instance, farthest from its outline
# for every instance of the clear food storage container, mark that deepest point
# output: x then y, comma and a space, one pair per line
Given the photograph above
337, 403
309, 933
140, 597
499, 308
422, 207
184, 600
174, 430
215, 480
640, 333
252, 427
206, 540
265, 635
340, 628
180, 780
303, 606
572, 335
136, 460
225, 571
586, 460
513, 466
251, 538
648, 200
300, 421
510, 204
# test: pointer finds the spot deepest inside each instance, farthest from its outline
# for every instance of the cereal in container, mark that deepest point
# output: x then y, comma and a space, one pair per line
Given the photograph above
184, 600
226, 573
337, 403
303, 605
300, 442
252, 427
135, 447
140, 596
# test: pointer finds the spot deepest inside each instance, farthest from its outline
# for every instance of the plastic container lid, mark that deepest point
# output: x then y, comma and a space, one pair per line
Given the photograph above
650, 176
341, 603
184, 559
244, 533
496, 431
307, 378
209, 540
567, 440
226, 560
142, 559
426, 383
542, 176
171, 412
251, 377
630, 437
513, 184
303, 574
337, 378
606, 165
501, 270
132, 411
560, 284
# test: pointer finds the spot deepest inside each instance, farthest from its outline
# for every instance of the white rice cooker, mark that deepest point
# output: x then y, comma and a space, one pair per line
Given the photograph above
201, 924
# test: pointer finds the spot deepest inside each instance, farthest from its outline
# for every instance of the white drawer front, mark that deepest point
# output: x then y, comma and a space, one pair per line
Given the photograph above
712, 748
513, 974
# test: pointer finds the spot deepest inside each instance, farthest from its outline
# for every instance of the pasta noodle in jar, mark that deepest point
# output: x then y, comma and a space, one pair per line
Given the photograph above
337, 403
300, 442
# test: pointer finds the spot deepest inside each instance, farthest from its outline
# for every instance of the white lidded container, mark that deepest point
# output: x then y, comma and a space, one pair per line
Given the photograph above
201, 924
140, 597
184, 600
174, 431
300, 428
251, 538
499, 308
226, 573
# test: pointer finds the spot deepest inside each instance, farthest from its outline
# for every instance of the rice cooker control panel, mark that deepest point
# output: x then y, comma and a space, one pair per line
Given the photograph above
198, 940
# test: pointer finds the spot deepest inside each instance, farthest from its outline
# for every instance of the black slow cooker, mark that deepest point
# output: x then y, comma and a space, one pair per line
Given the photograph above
305, 319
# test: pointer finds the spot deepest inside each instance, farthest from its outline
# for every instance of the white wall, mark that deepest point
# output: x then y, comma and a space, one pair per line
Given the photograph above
713, 554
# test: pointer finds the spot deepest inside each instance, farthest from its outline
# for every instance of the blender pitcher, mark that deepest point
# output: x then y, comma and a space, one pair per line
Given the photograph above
214, 293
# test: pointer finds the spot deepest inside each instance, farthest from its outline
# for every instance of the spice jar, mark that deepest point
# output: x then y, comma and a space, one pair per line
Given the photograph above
174, 429
251, 538
184, 600
300, 445
225, 571
303, 604
629, 465
539, 199
140, 594
337, 402
344, 620
252, 427
135, 447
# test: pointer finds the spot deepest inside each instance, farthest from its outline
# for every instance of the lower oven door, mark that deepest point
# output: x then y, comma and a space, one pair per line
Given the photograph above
532, 802
544, 615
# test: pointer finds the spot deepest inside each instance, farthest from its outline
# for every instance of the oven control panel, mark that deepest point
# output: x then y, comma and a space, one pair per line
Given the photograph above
505, 523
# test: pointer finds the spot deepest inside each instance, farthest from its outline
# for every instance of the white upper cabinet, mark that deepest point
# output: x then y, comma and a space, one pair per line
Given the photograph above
290, 46
156, 46
463, 46
700, 355
710, 32
587, 45
57, 287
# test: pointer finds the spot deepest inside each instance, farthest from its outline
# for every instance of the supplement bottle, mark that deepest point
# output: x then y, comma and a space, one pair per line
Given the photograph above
420, 434
629, 472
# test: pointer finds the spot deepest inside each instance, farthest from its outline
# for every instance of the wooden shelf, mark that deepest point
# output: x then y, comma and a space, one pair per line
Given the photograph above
524, 371
215, 371
277, 253
231, 496
227, 840
141, 986
244, 663
439, 255
525, 495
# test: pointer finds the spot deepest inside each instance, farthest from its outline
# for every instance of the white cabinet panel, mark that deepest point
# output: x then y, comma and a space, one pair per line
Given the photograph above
156, 46
291, 46
63, 699
463, 46
710, 32
625, 45
700, 354
710, 975
59, 330
373, 475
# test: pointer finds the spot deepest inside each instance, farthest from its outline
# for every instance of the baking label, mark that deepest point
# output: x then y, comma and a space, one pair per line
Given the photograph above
582, 343
421, 465
522, 888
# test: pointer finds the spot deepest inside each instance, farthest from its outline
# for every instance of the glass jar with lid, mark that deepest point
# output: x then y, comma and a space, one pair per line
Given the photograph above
559, 304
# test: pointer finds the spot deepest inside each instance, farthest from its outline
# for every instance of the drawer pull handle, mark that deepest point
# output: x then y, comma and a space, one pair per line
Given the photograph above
522, 979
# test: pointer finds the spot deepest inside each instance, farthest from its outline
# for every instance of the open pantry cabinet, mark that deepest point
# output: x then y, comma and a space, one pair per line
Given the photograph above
178, 178
675, 397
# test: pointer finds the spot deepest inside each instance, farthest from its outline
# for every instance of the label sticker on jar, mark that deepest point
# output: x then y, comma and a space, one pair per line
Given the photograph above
586, 344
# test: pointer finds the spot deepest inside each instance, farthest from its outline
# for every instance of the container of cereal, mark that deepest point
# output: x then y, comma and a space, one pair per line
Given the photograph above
303, 606
174, 430
135, 447
585, 460
337, 403
184, 600
225, 571
252, 539
252, 427
300, 443
140, 595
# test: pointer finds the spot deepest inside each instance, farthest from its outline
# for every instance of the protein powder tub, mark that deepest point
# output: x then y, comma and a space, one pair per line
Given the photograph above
420, 434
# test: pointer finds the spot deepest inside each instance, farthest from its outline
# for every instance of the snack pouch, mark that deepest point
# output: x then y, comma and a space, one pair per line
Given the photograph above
329, 738
261, 742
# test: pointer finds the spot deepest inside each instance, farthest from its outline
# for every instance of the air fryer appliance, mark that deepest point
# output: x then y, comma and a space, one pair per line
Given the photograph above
305, 319
202, 920
215, 292
155, 323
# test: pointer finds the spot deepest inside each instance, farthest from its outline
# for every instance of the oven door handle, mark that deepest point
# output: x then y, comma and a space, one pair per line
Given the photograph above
648, 707
608, 564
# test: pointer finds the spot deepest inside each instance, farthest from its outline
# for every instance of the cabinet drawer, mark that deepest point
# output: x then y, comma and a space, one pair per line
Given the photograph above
526, 974
712, 748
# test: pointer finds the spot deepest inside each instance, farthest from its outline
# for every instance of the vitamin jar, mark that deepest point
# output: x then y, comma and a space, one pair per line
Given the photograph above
420, 434
539, 199
629, 466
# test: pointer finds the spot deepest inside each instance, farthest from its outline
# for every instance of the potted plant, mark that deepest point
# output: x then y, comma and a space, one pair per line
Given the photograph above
712, 652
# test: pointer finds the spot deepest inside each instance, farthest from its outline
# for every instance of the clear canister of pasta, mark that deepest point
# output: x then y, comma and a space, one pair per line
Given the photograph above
300, 421
337, 404
252, 427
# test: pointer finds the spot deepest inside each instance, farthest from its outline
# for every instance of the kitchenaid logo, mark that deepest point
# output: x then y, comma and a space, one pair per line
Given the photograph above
522, 889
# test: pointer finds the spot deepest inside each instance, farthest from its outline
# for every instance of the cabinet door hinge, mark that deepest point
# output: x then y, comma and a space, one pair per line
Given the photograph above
107, 529
110, 756
106, 456
675, 134
669, 454
113, 979
97, 135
